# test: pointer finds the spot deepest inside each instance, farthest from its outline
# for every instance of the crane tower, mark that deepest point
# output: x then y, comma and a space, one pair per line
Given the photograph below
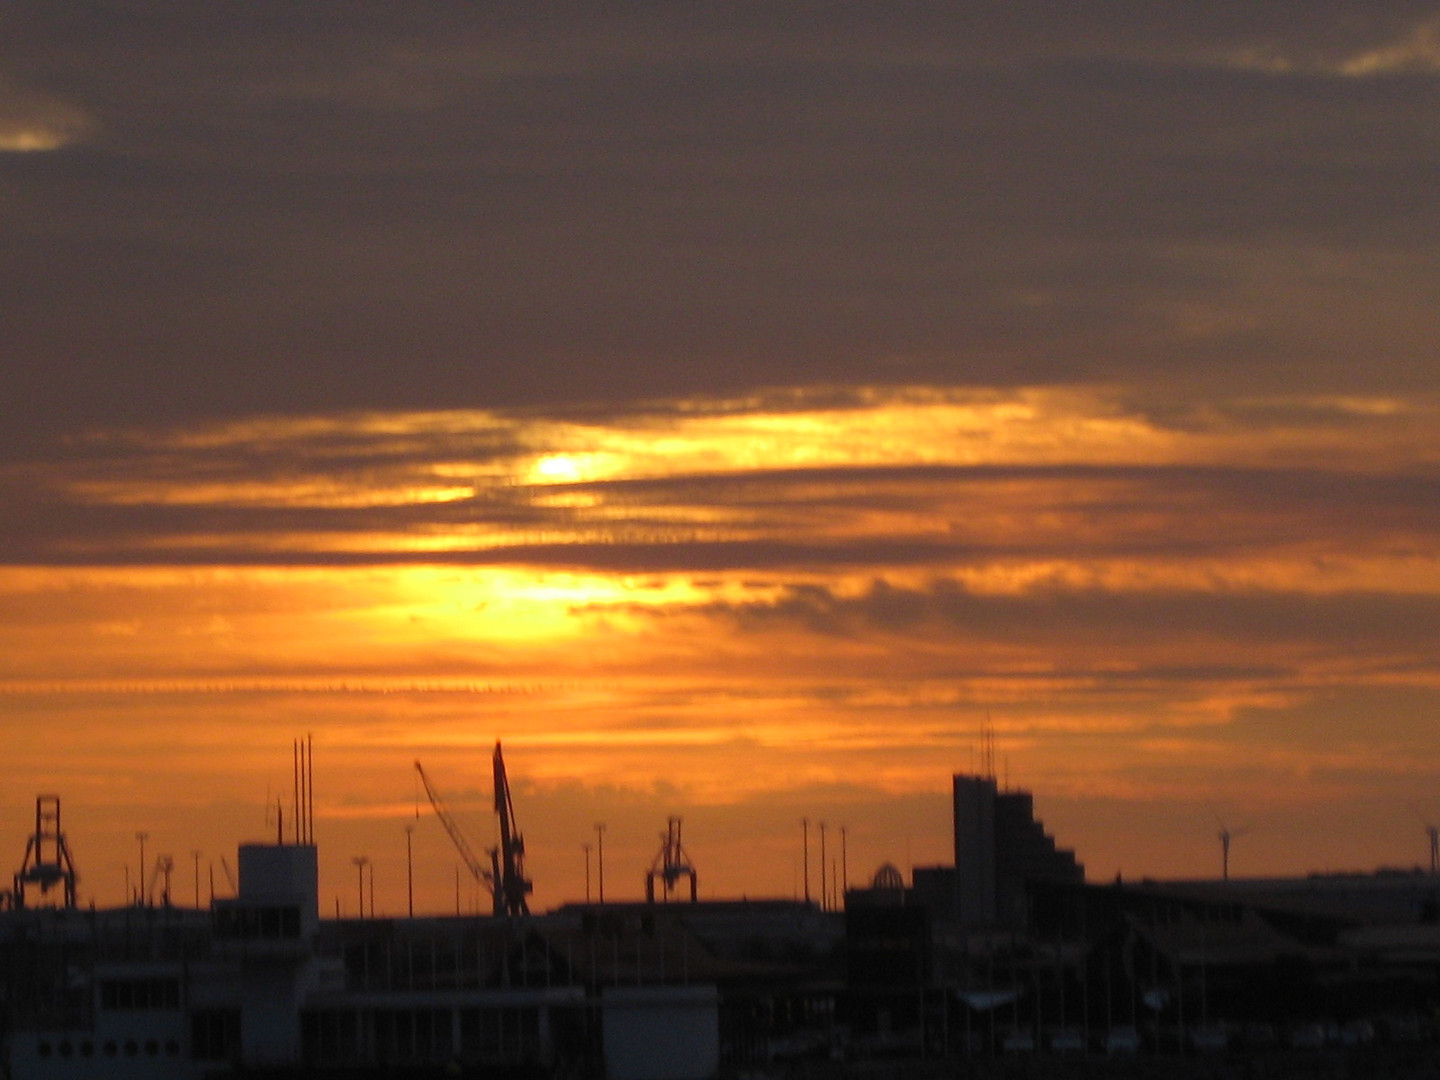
504, 877
514, 885
47, 861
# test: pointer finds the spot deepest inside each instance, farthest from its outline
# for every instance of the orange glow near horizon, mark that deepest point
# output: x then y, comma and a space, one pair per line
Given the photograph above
745, 611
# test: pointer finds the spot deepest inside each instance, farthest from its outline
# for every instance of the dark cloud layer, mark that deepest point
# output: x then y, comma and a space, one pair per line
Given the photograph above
769, 520
279, 209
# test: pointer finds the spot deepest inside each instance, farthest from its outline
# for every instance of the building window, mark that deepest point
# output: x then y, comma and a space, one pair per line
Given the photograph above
139, 995
215, 1034
257, 923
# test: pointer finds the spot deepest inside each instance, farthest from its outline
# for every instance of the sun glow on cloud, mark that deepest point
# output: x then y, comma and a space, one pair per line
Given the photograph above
398, 466
32, 123
797, 599
1416, 51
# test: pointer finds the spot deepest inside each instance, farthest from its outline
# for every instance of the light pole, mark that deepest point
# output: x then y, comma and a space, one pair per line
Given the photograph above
196, 856
360, 861
805, 840
600, 855
824, 905
410, 868
844, 864
140, 882
587, 872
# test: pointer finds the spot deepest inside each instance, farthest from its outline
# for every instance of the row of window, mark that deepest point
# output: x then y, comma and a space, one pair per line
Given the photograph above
130, 1048
257, 923
331, 1036
139, 995
214, 1036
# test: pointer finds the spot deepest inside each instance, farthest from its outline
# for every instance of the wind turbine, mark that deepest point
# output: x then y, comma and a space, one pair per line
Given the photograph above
1226, 835
1433, 832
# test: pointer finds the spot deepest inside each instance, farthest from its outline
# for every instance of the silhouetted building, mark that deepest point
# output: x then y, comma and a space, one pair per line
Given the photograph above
888, 965
999, 847
933, 888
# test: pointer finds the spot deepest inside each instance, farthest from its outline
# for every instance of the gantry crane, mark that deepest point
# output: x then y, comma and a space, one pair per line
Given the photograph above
164, 867
47, 861
670, 865
504, 878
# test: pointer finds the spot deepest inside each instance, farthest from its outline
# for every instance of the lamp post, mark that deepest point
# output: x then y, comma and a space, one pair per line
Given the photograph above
140, 882
600, 855
587, 872
410, 869
805, 841
360, 861
195, 854
824, 896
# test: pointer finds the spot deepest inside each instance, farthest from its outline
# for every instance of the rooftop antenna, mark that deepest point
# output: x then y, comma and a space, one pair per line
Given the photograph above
295, 772
987, 748
302, 753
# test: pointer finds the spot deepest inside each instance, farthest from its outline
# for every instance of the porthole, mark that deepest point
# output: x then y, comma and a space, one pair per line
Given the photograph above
151, 1047
131, 1048
45, 1049
172, 1048
66, 1049
87, 1048
110, 1048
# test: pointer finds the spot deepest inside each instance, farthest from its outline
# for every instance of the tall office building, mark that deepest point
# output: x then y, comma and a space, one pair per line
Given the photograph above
999, 847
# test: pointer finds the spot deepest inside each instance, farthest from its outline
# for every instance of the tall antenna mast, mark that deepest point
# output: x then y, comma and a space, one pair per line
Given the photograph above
309, 789
987, 748
302, 753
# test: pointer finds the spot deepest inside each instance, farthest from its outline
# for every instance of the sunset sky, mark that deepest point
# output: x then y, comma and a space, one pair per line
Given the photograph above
731, 407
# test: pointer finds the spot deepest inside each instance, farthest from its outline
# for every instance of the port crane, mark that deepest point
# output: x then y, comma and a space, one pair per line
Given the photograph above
504, 877
670, 865
47, 861
164, 867
514, 885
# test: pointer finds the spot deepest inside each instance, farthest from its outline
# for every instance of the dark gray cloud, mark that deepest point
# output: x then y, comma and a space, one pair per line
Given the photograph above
280, 209
1093, 622
323, 499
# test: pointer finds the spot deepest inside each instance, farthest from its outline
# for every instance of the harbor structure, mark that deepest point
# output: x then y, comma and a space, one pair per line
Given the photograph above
259, 984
